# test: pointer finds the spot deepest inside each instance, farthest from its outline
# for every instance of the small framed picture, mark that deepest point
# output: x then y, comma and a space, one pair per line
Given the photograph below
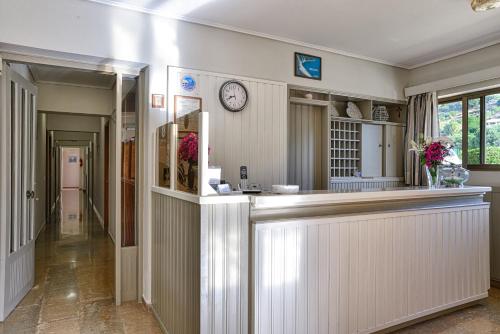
158, 101
307, 66
184, 105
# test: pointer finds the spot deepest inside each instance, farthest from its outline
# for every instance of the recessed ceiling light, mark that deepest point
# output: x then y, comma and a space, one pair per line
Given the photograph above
483, 5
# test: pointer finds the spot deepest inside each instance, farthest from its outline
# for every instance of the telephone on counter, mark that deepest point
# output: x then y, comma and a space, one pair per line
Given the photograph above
253, 188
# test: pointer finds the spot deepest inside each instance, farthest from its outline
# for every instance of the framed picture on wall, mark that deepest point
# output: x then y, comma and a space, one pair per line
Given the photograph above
184, 105
307, 66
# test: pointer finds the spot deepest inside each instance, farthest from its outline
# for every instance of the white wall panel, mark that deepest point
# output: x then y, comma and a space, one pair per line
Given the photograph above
224, 268
364, 184
494, 198
307, 146
175, 264
200, 276
360, 274
74, 99
255, 137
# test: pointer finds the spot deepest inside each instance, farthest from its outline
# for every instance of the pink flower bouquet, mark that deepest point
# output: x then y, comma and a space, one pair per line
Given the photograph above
432, 152
188, 148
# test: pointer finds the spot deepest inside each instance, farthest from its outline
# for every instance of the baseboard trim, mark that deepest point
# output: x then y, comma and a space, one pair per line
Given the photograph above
434, 313
98, 215
41, 229
162, 325
495, 283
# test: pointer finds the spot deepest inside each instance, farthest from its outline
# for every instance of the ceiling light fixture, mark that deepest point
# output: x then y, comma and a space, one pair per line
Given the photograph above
483, 5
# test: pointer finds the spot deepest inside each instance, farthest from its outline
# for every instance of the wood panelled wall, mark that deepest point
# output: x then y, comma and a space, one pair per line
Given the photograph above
224, 268
200, 267
307, 146
494, 198
175, 264
365, 184
255, 137
360, 274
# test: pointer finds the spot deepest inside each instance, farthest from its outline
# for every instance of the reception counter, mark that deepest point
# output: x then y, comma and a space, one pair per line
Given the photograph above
355, 261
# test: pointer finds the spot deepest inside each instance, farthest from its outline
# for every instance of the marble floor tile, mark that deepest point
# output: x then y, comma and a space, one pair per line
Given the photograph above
477, 319
73, 291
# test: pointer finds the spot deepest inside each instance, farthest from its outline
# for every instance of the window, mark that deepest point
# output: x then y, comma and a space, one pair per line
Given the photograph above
450, 123
477, 117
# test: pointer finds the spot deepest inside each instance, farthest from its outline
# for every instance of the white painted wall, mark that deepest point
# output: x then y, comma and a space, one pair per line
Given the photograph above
254, 137
99, 169
74, 99
93, 29
66, 122
486, 60
23, 70
99, 32
70, 171
40, 172
89, 129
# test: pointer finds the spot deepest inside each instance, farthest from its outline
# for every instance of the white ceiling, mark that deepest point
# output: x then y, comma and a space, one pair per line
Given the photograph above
405, 33
69, 76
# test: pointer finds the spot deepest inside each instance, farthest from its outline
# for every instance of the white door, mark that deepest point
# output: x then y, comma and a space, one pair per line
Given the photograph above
393, 161
371, 150
17, 177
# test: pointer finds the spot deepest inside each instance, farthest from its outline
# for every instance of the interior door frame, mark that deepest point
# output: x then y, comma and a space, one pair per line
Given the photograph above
106, 177
17, 258
140, 70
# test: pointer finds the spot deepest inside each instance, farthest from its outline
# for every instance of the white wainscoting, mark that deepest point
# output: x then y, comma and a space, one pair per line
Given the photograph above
224, 268
255, 137
494, 198
308, 146
365, 184
175, 293
200, 266
360, 274
19, 276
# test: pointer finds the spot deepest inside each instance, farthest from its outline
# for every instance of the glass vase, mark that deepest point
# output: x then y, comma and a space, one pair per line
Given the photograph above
432, 173
453, 176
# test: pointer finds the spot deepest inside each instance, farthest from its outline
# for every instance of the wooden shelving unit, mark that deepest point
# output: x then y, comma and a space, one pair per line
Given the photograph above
343, 156
344, 148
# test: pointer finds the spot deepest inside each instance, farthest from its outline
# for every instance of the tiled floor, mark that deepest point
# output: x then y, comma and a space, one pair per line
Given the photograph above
74, 280
479, 319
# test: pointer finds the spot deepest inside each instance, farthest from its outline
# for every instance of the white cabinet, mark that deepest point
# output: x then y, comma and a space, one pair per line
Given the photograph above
371, 150
393, 150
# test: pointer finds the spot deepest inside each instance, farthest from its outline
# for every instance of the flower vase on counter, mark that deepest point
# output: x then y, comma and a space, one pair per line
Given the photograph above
192, 172
188, 155
432, 173
453, 176
432, 152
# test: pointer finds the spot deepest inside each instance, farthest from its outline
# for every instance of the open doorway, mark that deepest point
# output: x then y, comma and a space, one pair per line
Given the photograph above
83, 217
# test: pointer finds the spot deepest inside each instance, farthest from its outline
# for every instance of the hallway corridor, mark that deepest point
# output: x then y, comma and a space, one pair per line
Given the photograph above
74, 280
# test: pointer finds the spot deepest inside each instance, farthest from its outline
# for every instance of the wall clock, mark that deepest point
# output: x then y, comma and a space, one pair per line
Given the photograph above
233, 96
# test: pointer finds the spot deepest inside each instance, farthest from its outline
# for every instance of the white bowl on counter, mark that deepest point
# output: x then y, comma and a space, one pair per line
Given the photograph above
284, 189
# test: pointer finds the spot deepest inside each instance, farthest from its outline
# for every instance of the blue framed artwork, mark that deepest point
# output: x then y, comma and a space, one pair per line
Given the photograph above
307, 66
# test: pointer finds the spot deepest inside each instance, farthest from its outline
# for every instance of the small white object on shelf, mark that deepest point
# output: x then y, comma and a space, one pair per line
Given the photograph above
308, 96
380, 114
284, 189
353, 111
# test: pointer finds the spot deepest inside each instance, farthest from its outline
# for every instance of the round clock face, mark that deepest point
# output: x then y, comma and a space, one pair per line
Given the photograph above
233, 96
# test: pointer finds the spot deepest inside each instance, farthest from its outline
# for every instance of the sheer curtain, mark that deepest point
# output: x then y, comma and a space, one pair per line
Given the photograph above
422, 119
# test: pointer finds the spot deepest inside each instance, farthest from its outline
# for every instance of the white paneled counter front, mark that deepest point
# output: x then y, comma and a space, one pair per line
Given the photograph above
317, 262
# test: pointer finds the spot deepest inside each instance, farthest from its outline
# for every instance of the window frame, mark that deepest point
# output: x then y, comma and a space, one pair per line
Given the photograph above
482, 166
